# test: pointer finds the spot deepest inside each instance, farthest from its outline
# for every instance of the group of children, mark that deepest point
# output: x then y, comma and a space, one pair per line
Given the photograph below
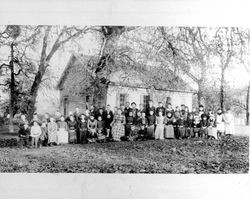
127, 123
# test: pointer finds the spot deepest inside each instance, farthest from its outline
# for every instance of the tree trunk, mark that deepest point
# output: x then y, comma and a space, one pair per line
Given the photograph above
34, 91
247, 104
222, 94
199, 93
12, 89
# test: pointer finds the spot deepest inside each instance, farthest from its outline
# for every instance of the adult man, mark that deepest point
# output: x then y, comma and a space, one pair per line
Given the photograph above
127, 109
134, 110
150, 108
160, 108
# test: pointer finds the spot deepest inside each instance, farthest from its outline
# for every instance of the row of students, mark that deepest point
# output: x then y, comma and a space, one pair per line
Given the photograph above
129, 123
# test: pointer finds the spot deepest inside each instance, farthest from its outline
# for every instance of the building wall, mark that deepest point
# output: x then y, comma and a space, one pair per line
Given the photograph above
135, 95
73, 102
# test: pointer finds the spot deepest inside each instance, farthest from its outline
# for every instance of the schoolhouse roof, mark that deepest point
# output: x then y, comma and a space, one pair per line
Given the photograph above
125, 76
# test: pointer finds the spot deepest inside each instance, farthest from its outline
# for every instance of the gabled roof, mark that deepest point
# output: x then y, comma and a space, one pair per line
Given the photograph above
72, 60
127, 76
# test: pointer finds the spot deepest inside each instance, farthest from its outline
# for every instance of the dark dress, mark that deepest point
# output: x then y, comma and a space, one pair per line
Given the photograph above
126, 111
148, 109
108, 119
151, 126
83, 127
72, 131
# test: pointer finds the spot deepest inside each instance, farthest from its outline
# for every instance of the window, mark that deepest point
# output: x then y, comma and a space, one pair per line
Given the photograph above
168, 100
65, 106
146, 99
87, 98
122, 99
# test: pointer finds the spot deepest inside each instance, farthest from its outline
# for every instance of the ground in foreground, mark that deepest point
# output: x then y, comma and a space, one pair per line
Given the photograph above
167, 156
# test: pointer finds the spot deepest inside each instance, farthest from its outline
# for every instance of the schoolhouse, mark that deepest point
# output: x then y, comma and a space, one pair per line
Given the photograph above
123, 86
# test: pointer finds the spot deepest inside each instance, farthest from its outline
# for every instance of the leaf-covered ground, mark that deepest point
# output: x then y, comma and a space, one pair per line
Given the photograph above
167, 156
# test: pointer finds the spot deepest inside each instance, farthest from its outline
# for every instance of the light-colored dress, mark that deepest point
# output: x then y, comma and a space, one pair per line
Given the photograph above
52, 132
220, 123
62, 133
118, 129
169, 128
229, 124
159, 131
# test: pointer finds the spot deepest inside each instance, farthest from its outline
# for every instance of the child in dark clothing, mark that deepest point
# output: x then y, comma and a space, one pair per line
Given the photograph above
100, 130
204, 126
23, 134
196, 126
189, 126
143, 127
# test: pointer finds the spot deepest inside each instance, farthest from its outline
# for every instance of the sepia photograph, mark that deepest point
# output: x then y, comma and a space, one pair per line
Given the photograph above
124, 99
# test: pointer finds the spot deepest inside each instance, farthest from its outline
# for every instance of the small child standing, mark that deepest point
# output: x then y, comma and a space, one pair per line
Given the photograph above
220, 123
24, 133
204, 126
35, 133
44, 136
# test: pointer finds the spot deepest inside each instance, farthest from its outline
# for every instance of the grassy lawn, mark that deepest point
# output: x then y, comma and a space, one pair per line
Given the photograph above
167, 156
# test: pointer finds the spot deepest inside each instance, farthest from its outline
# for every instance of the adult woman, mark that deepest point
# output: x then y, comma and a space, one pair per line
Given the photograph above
72, 129
118, 129
62, 133
159, 130
169, 128
52, 129
151, 125
92, 129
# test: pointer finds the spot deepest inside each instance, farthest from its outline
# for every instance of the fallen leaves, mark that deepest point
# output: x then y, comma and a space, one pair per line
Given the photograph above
153, 156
